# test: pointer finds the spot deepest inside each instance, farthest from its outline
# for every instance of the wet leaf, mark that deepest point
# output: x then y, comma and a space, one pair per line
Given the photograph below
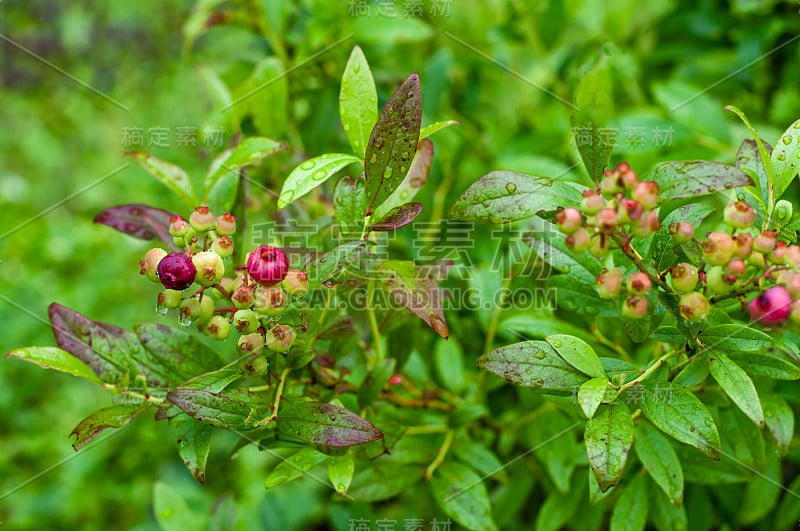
630, 511
117, 416
358, 101
416, 177
591, 394
194, 443
325, 426
349, 205
384, 481
461, 494
294, 467
312, 173
679, 179
608, 439
397, 217
220, 411
735, 337
428, 130
594, 107
248, 152
785, 159
324, 267
737, 385
169, 175
758, 364
56, 359
182, 354
416, 291
578, 353
140, 221
393, 142
658, 456
779, 418
340, 472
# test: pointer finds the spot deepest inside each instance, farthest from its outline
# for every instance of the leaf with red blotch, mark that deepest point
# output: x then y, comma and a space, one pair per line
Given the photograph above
417, 292
397, 217
326, 426
140, 221
117, 416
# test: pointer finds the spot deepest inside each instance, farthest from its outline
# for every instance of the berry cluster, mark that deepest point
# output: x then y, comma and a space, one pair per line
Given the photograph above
734, 263
250, 299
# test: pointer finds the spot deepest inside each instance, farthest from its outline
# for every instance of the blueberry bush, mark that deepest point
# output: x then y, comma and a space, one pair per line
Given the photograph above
385, 344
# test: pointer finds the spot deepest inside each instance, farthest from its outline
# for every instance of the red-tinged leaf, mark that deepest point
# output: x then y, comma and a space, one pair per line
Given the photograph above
417, 292
416, 177
108, 417
182, 354
393, 142
682, 179
397, 217
325, 426
220, 411
140, 221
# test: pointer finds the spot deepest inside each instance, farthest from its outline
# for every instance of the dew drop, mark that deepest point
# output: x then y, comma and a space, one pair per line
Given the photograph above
403, 195
357, 68
511, 188
373, 158
378, 141
404, 169
781, 156
184, 321
161, 308
486, 204
787, 139
711, 188
307, 165
346, 127
728, 185
557, 344
319, 175
545, 182
797, 124
539, 354
287, 196
387, 172
405, 155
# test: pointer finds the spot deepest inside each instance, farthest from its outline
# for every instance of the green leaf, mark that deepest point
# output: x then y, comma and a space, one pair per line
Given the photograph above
448, 360
659, 458
117, 416
547, 242
169, 175
694, 374
665, 515
558, 508
788, 513
478, 456
785, 159
682, 179
663, 247
180, 353
532, 364
248, 152
461, 494
698, 468
358, 101
295, 466
428, 130
213, 382
171, 510
630, 511
340, 472
580, 297
595, 106
393, 142
397, 217
411, 288
263, 97
312, 173
220, 411
680, 414
56, 359
194, 444
553, 440
767, 365
383, 481
375, 382
748, 159
591, 394
735, 337
762, 493
502, 196
416, 177
324, 267
325, 426
764, 150
779, 418
222, 197
349, 205
737, 385
579, 354
608, 439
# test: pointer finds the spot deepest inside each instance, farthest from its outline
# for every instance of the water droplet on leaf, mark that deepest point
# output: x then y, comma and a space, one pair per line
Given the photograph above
556, 343
511, 188
319, 175
711, 188
307, 165
787, 139
387, 172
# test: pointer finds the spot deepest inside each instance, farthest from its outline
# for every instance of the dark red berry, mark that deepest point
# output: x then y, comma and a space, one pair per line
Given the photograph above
176, 271
267, 265
772, 307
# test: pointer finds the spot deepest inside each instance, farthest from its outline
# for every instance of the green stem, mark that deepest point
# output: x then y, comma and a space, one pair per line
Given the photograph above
279, 393
647, 372
625, 245
492, 331
440, 455
373, 325
133, 394
603, 340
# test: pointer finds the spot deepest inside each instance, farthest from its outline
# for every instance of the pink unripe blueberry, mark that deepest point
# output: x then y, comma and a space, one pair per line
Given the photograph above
718, 248
683, 277
778, 254
682, 231
179, 227
638, 284
646, 225
578, 241
646, 193
243, 296
693, 306
736, 267
634, 306
793, 257
296, 282
280, 338
209, 266
609, 283
592, 202
149, 266
629, 210
606, 220
626, 175
612, 184
739, 214
226, 224
223, 246
176, 271
569, 220
743, 245
772, 307
267, 265
202, 219
765, 242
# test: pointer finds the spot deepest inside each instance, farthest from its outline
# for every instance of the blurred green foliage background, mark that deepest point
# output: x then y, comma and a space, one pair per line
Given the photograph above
77, 76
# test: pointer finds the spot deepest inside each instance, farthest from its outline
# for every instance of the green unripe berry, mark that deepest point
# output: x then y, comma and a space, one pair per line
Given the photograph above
251, 343
718, 248
210, 268
592, 202
202, 219
720, 282
606, 220
280, 338
243, 297
646, 193
218, 327
646, 225
778, 254
794, 316
765, 242
634, 307
296, 282
579, 241
245, 321
683, 277
743, 247
196, 309
180, 228
598, 246
226, 224
257, 365
694, 306
149, 266
223, 246
206, 309
169, 299
270, 300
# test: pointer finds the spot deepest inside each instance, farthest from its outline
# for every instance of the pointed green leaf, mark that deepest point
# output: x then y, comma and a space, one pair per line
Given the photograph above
384, 480
117, 416
501, 196
194, 444
748, 159
758, 364
220, 411
311, 173
762, 493
591, 394
735, 337
56, 359
248, 152
785, 159
680, 414
681, 179
410, 287
263, 98
349, 205
295, 466
340, 472
630, 511
172, 512
169, 175
658, 456
428, 130
461, 494
665, 515
608, 439
478, 456
533, 364
326, 426
558, 508
416, 177
579, 354
397, 217
594, 108
358, 101
324, 267
180, 353
779, 418
393, 142
737, 385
